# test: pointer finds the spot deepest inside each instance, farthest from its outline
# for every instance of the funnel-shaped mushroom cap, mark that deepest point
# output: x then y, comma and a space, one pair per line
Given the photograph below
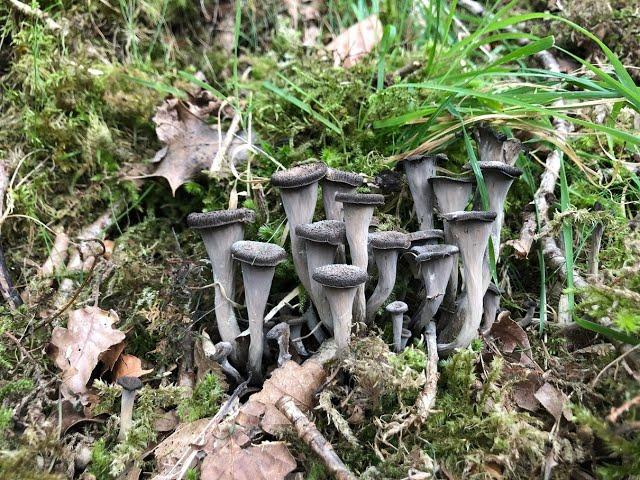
419, 169
494, 146
389, 240
299, 176
360, 198
259, 254
499, 168
421, 237
425, 157
345, 178
470, 217
493, 289
219, 218
340, 276
451, 194
130, 383
426, 253
332, 232
397, 307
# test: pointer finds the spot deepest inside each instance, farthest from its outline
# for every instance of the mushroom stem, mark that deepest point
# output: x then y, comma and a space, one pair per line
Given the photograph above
314, 326
406, 335
397, 310
470, 231
296, 333
129, 385
490, 305
319, 255
223, 350
281, 334
386, 262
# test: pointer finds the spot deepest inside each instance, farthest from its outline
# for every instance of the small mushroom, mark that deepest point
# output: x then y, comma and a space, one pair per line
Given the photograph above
337, 181
386, 246
452, 195
498, 177
322, 240
295, 332
419, 238
220, 230
130, 385
494, 146
406, 335
419, 169
358, 210
258, 261
470, 232
340, 282
223, 350
280, 332
490, 305
299, 193
436, 263
397, 310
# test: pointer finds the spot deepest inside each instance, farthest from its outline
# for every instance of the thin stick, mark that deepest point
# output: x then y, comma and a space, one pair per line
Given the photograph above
312, 437
616, 412
35, 12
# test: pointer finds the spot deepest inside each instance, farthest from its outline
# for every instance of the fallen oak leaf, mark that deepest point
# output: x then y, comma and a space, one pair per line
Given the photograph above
266, 461
77, 349
510, 334
129, 366
190, 143
356, 41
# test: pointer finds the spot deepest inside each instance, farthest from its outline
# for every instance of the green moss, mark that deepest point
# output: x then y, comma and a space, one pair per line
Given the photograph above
204, 401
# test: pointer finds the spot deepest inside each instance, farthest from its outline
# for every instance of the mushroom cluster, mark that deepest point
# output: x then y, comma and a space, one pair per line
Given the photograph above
349, 270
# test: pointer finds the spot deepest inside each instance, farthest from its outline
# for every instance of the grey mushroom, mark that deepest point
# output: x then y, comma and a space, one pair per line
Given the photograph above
419, 238
130, 386
436, 263
295, 329
452, 195
419, 169
496, 147
258, 261
498, 177
358, 210
299, 193
223, 350
470, 232
281, 334
340, 282
220, 230
397, 310
337, 181
322, 240
405, 336
386, 247
490, 305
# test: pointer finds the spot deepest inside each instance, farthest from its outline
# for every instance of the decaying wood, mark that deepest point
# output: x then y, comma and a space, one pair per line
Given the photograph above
312, 437
556, 260
58, 254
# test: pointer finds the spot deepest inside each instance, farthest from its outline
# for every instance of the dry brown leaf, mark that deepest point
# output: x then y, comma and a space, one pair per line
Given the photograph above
356, 41
129, 366
110, 357
524, 393
168, 452
78, 348
298, 381
267, 461
165, 421
190, 143
510, 334
553, 400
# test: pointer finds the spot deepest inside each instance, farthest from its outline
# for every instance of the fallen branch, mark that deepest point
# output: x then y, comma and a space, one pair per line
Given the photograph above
556, 260
37, 13
312, 437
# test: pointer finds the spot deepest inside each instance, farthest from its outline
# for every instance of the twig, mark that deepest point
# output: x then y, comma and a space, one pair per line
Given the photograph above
556, 260
612, 363
312, 437
37, 13
616, 412
58, 254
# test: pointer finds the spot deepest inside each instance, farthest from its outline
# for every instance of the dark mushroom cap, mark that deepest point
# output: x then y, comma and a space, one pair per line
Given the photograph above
406, 333
340, 275
432, 252
219, 218
260, 254
472, 216
444, 179
493, 289
500, 167
423, 235
397, 307
389, 240
421, 157
299, 176
360, 198
324, 231
130, 383
346, 178
277, 330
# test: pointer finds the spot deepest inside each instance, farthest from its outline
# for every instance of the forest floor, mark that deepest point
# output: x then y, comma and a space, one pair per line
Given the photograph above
100, 166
